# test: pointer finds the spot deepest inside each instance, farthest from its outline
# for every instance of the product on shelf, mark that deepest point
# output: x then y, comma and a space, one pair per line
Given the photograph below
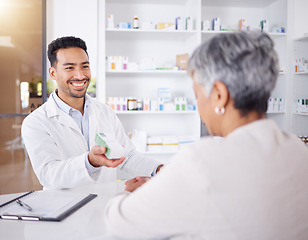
275, 105
110, 21
136, 23
302, 106
165, 26
301, 65
182, 61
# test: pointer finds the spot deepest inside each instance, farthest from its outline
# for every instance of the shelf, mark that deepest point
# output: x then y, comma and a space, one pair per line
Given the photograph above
302, 39
167, 152
151, 34
154, 112
238, 3
301, 114
144, 72
269, 112
300, 73
271, 34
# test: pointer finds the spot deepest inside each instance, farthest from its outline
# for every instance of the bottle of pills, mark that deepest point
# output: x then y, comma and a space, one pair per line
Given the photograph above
136, 23
131, 104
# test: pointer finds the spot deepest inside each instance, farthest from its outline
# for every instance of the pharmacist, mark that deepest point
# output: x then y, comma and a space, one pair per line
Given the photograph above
60, 135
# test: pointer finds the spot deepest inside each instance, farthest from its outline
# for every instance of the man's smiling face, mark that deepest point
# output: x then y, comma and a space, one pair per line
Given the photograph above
72, 73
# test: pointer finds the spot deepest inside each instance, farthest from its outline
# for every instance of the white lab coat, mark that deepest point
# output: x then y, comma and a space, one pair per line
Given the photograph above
57, 148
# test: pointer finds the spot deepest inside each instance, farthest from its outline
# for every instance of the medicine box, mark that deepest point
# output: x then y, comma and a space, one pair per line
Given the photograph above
114, 149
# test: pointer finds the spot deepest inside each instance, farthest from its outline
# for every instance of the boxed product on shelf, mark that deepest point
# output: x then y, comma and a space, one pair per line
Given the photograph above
170, 144
165, 26
216, 24
182, 61
147, 64
179, 23
205, 25
148, 25
180, 103
124, 25
110, 21
189, 23
154, 144
275, 105
139, 139
302, 106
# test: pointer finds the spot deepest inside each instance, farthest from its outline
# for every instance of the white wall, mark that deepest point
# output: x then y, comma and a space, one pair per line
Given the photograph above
300, 18
74, 18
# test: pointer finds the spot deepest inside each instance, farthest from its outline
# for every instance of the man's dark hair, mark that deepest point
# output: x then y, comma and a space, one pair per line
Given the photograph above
63, 42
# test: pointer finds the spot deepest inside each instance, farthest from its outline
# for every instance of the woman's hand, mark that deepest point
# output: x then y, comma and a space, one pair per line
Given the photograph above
133, 184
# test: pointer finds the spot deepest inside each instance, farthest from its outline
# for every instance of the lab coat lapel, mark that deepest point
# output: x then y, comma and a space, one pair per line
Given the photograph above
63, 118
93, 124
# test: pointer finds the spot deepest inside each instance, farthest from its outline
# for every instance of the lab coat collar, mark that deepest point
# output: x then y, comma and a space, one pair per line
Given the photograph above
52, 110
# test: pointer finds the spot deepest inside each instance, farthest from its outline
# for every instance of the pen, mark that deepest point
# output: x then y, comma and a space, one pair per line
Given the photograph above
22, 204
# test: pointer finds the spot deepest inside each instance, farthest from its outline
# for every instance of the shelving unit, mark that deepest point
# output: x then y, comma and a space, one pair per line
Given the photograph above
300, 88
163, 45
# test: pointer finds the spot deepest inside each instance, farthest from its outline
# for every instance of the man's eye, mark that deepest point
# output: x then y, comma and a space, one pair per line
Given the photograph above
86, 66
69, 68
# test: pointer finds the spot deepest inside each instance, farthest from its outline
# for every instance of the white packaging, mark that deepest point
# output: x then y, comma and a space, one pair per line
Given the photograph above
281, 105
148, 25
114, 149
164, 93
124, 63
189, 23
154, 105
110, 21
216, 24
160, 104
146, 104
139, 139
206, 26
118, 63
276, 105
132, 66
179, 23
183, 104
270, 104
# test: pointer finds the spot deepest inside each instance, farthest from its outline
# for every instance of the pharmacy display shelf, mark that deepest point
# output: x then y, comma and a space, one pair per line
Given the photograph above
302, 39
153, 34
154, 112
300, 73
157, 153
301, 114
238, 3
271, 112
271, 34
144, 72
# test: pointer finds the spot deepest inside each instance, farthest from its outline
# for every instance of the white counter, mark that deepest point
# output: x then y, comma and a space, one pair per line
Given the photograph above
86, 223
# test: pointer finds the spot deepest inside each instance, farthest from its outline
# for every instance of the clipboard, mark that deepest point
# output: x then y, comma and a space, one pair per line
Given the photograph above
44, 205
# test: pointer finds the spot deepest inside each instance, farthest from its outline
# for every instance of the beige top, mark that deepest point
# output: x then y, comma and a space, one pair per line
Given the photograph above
253, 184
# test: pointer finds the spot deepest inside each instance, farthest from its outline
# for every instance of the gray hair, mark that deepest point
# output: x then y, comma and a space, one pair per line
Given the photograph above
245, 62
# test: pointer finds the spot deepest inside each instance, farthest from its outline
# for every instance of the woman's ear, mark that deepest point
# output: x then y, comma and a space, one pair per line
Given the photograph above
219, 94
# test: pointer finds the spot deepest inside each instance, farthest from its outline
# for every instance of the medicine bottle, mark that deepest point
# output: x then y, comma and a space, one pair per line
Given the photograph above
131, 104
136, 23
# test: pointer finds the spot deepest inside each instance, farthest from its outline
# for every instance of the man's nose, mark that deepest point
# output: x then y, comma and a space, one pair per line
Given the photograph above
79, 74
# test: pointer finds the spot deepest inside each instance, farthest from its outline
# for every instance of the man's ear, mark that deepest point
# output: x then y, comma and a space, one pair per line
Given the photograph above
220, 94
52, 73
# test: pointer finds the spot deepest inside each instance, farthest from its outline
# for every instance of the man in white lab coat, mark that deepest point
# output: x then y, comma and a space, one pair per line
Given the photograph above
60, 135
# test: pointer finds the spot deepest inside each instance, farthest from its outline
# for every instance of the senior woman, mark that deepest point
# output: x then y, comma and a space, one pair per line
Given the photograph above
250, 184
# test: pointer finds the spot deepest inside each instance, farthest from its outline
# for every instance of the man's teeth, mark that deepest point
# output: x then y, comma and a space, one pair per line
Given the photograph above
78, 84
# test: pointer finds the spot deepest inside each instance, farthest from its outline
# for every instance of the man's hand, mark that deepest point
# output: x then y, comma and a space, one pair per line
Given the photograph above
133, 184
97, 158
